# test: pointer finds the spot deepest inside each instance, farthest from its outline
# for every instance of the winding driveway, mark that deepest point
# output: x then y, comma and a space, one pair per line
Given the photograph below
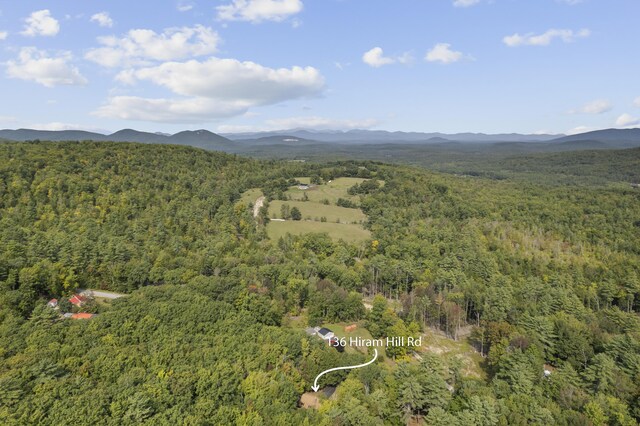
257, 206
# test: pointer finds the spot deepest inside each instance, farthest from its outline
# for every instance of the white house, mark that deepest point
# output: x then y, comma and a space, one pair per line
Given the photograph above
325, 333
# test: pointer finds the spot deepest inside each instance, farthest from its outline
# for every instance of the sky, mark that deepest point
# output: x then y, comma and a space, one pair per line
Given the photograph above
490, 66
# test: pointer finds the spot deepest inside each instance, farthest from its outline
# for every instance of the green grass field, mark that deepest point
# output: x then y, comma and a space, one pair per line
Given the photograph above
329, 191
342, 223
314, 211
347, 232
436, 343
306, 180
250, 196
338, 330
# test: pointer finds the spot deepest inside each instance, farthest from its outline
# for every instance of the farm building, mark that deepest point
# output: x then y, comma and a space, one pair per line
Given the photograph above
82, 315
325, 333
77, 300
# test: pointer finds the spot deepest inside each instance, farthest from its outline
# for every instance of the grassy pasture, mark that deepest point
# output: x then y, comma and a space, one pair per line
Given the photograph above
342, 223
250, 196
329, 191
348, 232
305, 180
314, 211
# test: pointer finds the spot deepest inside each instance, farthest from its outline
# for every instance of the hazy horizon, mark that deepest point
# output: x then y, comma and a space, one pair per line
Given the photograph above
275, 131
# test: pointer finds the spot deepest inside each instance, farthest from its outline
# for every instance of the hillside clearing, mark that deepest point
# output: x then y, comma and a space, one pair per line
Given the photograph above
330, 191
436, 343
315, 211
250, 196
337, 231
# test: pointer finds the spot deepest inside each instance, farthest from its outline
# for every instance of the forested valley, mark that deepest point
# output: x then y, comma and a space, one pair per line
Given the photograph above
541, 278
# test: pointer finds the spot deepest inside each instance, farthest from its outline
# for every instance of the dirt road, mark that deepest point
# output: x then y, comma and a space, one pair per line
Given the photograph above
257, 206
100, 293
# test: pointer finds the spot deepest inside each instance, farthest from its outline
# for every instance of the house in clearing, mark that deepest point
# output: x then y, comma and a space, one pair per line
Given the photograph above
77, 300
53, 303
325, 333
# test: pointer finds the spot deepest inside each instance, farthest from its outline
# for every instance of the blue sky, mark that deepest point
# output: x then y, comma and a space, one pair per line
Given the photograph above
492, 66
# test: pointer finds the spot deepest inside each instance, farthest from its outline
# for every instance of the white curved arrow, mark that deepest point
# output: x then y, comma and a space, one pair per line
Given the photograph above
315, 386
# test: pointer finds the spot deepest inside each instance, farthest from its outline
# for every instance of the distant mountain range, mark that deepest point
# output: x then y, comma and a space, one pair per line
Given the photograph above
383, 136
618, 138
316, 140
197, 138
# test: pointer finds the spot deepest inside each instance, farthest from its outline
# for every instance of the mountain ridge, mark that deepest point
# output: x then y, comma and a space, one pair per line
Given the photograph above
243, 142
615, 138
196, 138
382, 136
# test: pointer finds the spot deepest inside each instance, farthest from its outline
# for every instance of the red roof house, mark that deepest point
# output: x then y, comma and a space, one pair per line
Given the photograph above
82, 315
77, 300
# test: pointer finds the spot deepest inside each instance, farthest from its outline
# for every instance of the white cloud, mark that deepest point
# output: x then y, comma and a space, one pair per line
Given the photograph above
375, 58
236, 128
627, 120
3, 35
599, 106
184, 6
7, 119
465, 3
259, 10
231, 79
636, 102
183, 110
41, 23
58, 126
406, 58
308, 123
103, 19
36, 65
442, 53
319, 123
140, 46
545, 38
212, 89
580, 129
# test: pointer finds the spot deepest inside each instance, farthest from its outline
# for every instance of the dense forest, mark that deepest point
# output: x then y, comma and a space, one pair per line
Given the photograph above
542, 278
514, 161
